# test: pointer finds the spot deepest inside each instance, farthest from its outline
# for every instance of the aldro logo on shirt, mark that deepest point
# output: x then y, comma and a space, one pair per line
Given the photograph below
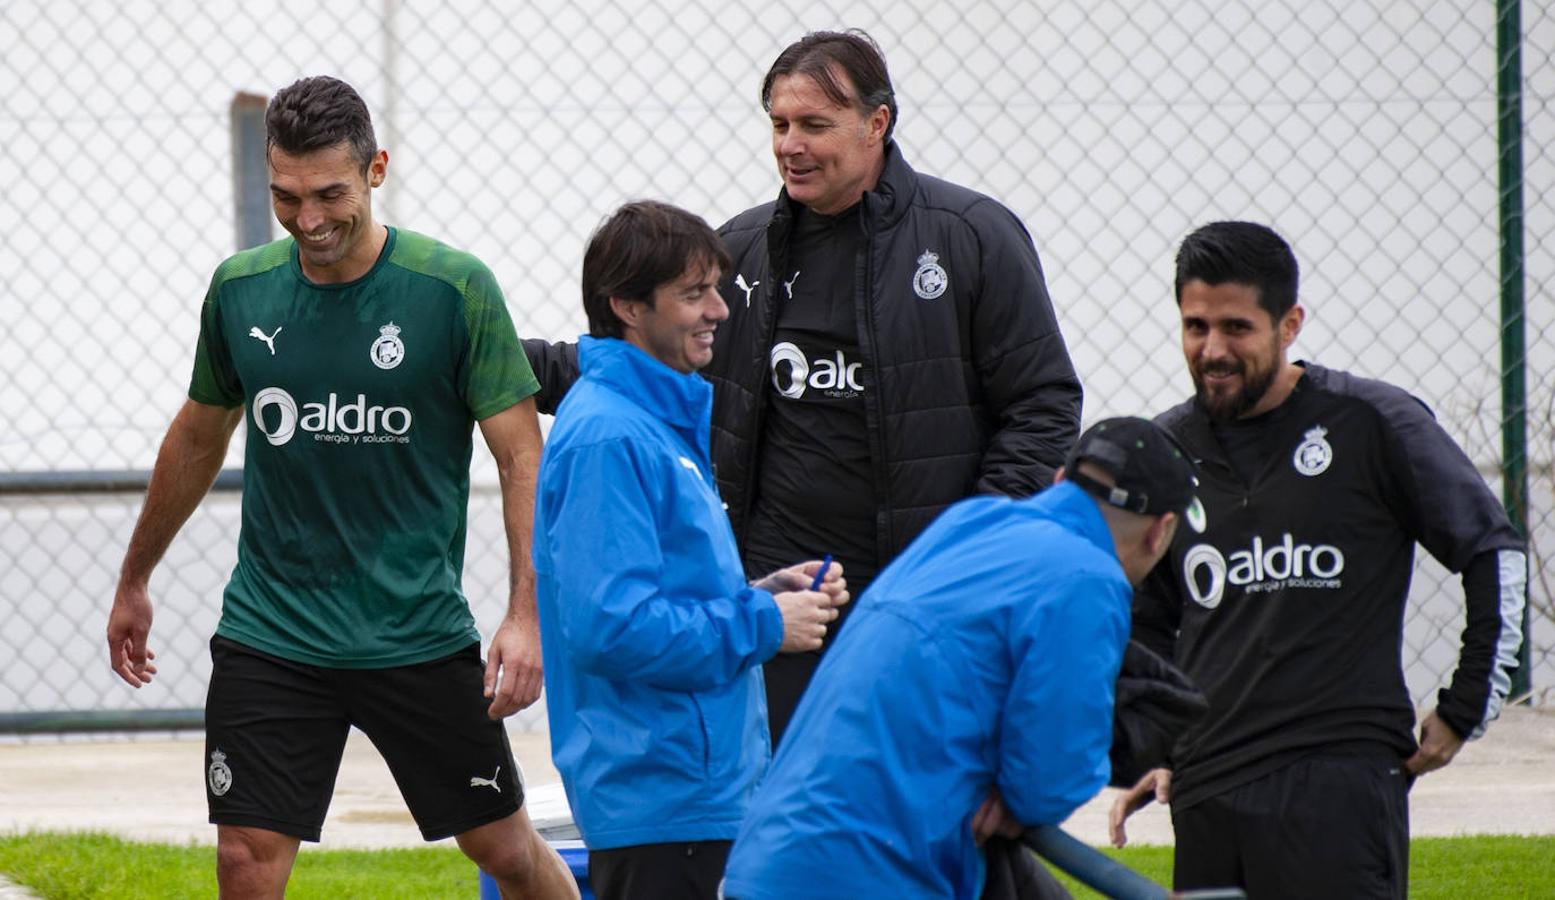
1260, 568
279, 418
793, 374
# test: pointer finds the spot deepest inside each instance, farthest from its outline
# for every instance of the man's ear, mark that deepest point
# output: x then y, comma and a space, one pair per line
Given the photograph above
1058, 474
1290, 325
877, 123
378, 168
627, 311
1160, 533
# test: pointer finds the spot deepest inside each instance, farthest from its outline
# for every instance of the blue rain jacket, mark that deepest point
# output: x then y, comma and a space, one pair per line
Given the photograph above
985, 655
653, 640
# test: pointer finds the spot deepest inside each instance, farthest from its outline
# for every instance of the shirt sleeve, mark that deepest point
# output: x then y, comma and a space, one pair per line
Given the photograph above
1057, 725
609, 564
1452, 512
1023, 368
495, 373
556, 367
1495, 591
214, 380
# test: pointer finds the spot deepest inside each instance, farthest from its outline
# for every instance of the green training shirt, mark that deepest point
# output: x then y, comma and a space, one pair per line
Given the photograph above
361, 400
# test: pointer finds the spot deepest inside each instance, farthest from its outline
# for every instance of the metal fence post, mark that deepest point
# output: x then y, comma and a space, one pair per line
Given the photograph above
1514, 408
250, 171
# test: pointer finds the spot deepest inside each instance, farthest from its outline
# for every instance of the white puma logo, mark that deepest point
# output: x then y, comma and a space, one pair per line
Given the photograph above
269, 339
739, 282
789, 284
491, 782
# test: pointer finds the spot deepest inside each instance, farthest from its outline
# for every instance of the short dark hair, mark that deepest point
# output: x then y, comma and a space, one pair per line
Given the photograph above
318, 113
641, 246
1241, 253
820, 53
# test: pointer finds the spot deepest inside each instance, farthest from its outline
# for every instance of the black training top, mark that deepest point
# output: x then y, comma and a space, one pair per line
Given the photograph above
814, 479
1288, 610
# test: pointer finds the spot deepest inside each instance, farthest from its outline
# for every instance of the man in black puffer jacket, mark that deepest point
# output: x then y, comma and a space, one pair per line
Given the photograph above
890, 346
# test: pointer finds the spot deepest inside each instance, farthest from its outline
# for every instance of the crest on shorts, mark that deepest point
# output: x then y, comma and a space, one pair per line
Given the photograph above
930, 280
388, 350
1313, 454
218, 776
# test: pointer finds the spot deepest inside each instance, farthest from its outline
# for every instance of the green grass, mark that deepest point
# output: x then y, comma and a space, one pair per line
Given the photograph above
1484, 867
87, 866
83, 866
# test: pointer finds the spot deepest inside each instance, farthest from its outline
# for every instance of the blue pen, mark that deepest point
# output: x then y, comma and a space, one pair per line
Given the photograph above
821, 572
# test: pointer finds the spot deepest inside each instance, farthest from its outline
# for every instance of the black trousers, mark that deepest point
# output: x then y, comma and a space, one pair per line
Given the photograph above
1332, 824
683, 871
787, 675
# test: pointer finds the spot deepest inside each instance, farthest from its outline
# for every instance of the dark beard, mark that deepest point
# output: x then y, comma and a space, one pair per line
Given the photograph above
1226, 409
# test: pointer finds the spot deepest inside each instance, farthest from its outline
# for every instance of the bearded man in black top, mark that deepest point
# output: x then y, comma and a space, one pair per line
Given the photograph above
1287, 612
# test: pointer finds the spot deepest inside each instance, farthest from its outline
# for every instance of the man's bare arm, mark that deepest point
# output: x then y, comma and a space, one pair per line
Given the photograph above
514, 673
187, 463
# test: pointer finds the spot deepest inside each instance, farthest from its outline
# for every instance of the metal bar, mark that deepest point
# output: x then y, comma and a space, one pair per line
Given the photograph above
1514, 355
388, 117
250, 171
105, 481
1090, 866
63, 721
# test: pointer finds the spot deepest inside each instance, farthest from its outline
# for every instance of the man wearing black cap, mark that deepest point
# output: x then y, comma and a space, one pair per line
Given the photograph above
973, 692
1287, 612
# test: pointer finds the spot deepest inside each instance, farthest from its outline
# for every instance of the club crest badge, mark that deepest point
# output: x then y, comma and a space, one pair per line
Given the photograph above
388, 351
218, 776
1313, 454
930, 281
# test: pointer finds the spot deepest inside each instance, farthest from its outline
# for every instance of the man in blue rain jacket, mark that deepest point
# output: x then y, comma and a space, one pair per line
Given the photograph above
652, 639
972, 692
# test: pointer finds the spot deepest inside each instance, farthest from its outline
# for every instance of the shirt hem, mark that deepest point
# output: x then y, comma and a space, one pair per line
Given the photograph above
661, 834
435, 651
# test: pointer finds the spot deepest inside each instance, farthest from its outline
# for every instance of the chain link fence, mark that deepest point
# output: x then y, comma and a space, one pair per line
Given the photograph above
1363, 131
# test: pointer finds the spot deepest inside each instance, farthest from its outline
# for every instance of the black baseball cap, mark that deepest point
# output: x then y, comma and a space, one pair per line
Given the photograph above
1151, 471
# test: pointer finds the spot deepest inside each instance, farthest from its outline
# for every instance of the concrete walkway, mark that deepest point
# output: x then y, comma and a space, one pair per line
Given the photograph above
154, 790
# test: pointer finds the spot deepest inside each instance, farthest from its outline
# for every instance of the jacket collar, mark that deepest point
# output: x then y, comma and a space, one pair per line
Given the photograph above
888, 202
1068, 505
682, 400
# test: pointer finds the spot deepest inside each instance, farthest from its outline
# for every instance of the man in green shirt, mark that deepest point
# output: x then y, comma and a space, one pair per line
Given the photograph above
363, 355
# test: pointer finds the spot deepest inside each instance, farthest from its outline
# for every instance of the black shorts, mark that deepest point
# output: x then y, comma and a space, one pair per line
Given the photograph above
275, 731
688, 870
1332, 824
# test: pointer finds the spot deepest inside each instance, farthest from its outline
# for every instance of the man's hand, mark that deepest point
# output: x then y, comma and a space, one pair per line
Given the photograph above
805, 617
806, 613
1155, 785
992, 818
128, 625
1438, 745
798, 578
514, 671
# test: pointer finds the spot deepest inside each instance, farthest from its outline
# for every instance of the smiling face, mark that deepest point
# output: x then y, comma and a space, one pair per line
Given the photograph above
324, 200
827, 155
677, 329
1234, 348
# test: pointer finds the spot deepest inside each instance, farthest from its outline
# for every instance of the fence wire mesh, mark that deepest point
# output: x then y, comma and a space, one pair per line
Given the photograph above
1363, 131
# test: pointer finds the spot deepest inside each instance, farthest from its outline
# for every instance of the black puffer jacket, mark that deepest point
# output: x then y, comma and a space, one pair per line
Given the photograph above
971, 389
